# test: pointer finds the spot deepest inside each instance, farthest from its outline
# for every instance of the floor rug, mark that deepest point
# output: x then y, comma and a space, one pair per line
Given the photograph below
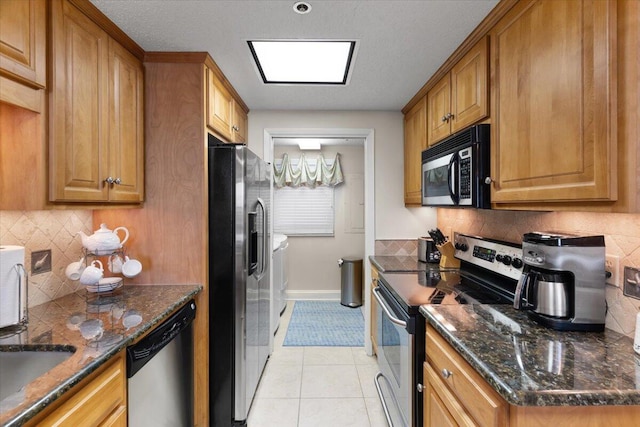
324, 324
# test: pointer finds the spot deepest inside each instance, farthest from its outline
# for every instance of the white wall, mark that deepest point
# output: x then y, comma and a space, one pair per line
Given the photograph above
392, 219
313, 261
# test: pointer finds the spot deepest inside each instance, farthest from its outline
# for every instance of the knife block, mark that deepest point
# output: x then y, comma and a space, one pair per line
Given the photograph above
447, 258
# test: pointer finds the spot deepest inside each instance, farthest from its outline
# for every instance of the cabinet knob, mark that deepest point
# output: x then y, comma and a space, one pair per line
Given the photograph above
420, 388
450, 116
446, 373
444, 118
111, 180
236, 128
488, 180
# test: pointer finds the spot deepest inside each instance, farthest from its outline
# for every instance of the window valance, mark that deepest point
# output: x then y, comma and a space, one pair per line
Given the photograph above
303, 172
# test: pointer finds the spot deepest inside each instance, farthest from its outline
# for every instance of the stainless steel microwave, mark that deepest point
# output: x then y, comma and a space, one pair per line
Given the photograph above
456, 171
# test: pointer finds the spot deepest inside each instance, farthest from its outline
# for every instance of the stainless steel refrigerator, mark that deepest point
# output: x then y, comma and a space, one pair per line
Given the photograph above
239, 258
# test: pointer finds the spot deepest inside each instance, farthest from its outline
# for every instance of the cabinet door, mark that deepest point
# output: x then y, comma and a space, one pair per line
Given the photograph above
101, 400
439, 101
23, 41
118, 418
239, 124
126, 125
78, 116
415, 141
469, 88
219, 107
554, 105
435, 411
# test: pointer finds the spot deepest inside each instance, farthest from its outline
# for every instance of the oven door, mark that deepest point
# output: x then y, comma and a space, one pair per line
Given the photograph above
440, 180
395, 350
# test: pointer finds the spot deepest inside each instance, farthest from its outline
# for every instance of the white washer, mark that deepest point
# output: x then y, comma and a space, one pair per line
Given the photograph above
279, 243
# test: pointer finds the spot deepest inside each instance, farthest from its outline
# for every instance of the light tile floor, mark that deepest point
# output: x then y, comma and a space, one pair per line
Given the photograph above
316, 386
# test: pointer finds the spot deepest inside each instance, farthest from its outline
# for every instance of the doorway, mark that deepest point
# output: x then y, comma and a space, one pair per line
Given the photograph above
272, 138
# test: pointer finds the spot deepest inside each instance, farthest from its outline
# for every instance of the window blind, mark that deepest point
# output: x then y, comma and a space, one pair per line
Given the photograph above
304, 211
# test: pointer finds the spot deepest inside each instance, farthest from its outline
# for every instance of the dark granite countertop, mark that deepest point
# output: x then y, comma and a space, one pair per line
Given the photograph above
54, 326
530, 365
399, 263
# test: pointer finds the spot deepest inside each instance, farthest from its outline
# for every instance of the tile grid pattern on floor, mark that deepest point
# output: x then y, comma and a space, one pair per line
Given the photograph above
316, 386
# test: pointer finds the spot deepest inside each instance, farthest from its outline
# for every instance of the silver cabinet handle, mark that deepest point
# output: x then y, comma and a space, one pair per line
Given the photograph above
488, 180
236, 128
446, 373
111, 180
420, 388
450, 116
392, 318
444, 118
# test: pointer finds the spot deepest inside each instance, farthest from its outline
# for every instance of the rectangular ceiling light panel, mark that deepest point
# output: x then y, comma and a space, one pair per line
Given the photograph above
303, 61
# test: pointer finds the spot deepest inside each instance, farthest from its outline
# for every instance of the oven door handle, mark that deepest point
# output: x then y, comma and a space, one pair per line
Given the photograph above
387, 415
392, 318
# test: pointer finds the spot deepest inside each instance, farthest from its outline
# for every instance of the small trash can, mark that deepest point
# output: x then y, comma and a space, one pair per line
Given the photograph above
351, 281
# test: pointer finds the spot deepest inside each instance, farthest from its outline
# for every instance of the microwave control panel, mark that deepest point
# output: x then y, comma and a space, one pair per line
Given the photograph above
465, 174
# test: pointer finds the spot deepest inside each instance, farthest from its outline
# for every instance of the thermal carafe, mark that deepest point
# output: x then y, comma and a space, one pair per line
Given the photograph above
563, 281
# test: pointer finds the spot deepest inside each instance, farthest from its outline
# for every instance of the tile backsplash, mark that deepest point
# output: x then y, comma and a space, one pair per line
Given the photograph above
621, 232
40, 230
396, 247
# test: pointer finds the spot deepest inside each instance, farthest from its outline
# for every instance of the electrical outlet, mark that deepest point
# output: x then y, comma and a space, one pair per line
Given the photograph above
631, 282
40, 261
612, 265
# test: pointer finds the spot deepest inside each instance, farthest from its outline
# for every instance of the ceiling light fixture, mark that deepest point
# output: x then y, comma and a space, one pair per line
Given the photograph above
303, 62
302, 7
309, 144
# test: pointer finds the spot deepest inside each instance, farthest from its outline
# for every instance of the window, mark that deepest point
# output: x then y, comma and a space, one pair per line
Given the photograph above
303, 211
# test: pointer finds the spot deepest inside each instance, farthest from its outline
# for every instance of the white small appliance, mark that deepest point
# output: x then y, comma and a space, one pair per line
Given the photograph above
13, 286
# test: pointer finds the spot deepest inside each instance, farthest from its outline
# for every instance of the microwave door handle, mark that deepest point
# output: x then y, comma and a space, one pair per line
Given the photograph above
452, 173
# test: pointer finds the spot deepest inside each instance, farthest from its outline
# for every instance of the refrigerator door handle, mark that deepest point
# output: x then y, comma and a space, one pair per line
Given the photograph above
265, 243
252, 242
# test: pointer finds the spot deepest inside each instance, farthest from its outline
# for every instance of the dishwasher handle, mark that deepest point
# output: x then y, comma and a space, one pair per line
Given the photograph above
143, 351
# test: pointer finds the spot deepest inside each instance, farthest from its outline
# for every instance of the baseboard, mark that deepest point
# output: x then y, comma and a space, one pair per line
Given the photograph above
293, 295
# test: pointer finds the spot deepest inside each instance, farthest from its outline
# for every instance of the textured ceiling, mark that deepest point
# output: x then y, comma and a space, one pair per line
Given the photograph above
401, 43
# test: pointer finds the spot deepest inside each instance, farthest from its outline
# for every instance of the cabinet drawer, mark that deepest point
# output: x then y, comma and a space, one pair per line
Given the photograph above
441, 408
96, 402
477, 397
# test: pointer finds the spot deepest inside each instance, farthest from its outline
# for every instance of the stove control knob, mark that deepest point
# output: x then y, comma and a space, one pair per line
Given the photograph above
517, 263
499, 258
461, 246
506, 260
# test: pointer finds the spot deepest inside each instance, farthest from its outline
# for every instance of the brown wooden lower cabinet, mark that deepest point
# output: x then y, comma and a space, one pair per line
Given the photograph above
456, 395
99, 400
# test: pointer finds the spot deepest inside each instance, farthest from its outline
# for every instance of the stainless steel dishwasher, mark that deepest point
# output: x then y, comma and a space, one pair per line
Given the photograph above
160, 374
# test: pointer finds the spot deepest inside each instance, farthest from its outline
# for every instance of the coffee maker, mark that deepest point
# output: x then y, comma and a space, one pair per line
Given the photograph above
563, 281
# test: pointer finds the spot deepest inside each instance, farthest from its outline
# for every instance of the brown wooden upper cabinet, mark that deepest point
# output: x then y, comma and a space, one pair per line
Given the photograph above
23, 41
459, 99
553, 114
225, 116
240, 125
415, 141
96, 146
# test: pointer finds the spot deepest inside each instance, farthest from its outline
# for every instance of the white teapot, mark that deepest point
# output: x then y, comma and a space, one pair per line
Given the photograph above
103, 240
